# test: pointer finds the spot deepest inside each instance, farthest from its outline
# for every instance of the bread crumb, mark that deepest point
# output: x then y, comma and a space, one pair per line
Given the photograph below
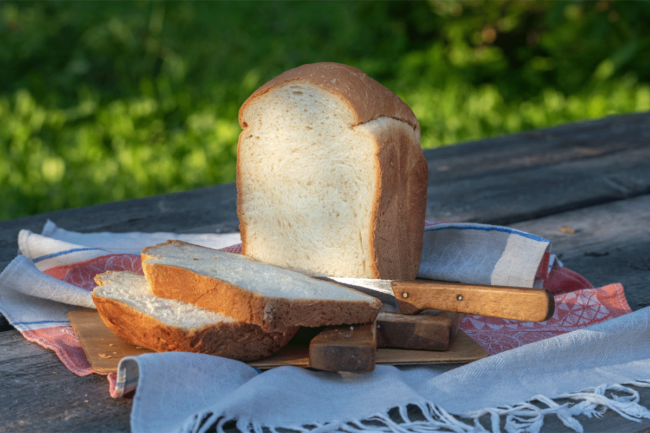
104, 356
195, 259
566, 229
54, 372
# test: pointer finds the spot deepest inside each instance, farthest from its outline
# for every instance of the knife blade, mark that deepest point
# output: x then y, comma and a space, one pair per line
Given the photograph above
411, 297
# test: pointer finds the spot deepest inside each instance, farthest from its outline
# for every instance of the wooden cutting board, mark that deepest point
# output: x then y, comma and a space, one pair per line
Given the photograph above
104, 350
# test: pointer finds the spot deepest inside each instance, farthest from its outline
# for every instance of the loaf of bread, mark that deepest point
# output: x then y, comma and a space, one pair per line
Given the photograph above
331, 179
273, 298
134, 314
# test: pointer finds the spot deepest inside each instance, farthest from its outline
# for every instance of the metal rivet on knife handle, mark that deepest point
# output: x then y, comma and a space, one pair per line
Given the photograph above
405, 295
459, 297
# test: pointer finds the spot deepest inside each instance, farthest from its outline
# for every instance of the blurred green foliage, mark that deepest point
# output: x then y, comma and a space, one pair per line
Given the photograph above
103, 101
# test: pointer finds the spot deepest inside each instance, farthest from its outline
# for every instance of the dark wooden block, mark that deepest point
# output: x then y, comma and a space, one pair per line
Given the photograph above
344, 348
429, 330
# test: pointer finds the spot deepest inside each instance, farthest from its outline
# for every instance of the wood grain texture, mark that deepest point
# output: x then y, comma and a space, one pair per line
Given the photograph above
531, 305
96, 338
39, 394
539, 148
539, 173
350, 348
509, 197
429, 330
611, 244
102, 347
462, 350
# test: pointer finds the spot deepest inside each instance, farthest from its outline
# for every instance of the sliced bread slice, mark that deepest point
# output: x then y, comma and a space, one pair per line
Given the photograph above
276, 299
134, 314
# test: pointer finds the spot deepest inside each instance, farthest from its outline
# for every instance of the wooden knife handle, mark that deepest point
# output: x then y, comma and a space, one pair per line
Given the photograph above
531, 305
344, 348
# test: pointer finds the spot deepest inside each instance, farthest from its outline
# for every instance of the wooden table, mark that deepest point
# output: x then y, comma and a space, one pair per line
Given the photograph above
593, 177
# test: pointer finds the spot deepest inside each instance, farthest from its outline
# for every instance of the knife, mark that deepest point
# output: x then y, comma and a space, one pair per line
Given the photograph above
411, 297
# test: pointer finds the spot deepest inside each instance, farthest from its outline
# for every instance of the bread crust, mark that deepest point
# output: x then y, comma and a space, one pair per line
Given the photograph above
400, 205
271, 314
367, 98
241, 341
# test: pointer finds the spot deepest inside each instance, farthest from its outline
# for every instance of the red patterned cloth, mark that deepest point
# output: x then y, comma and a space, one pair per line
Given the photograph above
577, 305
62, 339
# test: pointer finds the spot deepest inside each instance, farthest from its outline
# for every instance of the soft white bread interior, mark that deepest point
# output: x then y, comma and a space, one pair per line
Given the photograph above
134, 314
276, 299
331, 178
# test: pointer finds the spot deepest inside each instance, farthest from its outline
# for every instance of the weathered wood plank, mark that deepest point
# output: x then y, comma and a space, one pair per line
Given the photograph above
187, 211
39, 394
505, 198
611, 244
534, 149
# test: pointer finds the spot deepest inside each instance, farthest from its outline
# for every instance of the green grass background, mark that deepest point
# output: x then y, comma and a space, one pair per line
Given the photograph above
104, 101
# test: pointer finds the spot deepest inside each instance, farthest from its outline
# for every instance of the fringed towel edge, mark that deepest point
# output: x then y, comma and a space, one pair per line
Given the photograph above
525, 417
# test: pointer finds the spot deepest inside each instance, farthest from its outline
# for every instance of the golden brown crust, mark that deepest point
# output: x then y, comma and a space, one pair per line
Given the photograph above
400, 206
240, 204
239, 341
366, 98
271, 314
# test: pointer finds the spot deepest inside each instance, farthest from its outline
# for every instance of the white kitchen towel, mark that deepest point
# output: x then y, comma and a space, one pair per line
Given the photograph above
482, 254
580, 365
46, 249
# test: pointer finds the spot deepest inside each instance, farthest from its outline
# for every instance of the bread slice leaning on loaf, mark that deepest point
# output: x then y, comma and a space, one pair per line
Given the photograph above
273, 298
331, 178
134, 314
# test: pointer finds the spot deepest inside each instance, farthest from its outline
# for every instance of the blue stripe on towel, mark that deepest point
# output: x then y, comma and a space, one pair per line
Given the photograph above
61, 253
39, 322
489, 229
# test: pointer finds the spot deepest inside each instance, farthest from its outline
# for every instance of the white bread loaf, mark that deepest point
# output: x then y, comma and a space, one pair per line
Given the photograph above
134, 314
273, 298
331, 178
